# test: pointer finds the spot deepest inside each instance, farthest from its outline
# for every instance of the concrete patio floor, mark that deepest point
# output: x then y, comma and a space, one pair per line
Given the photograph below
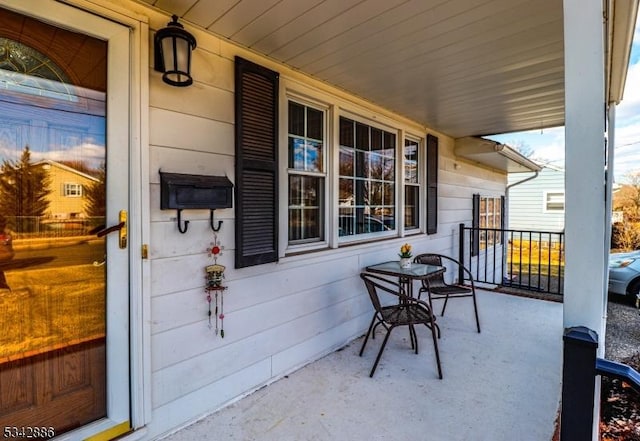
500, 385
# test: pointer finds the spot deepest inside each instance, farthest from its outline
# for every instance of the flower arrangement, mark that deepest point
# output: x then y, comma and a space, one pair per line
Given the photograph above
405, 251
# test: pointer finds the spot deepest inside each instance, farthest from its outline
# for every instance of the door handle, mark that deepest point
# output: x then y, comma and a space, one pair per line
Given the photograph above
120, 227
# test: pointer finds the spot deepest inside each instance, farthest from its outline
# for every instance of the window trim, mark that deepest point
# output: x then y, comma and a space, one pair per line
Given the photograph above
76, 194
398, 180
478, 242
545, 201
337, 106
421, 184
286, 245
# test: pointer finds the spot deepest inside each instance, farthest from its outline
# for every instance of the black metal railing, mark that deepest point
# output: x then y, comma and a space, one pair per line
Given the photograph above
522, 259
580, 366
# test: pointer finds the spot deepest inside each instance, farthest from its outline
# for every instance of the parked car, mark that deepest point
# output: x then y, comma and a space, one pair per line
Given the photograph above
6, 247
369, 224
624, 274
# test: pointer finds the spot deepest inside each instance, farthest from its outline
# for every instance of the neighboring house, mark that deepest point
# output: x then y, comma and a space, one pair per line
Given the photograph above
67, 196
347, 129
537, 204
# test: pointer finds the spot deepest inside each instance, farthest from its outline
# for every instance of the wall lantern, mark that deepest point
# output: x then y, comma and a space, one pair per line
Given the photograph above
172, 52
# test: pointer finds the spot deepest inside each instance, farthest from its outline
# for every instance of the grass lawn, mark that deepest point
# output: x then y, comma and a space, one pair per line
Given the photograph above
47, 309
536, 258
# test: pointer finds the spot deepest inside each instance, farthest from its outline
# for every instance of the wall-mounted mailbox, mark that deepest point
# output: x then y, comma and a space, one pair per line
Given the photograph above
180, 191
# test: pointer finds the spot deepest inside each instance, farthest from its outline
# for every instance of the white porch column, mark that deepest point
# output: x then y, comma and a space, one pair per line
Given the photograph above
584, 162
585, 271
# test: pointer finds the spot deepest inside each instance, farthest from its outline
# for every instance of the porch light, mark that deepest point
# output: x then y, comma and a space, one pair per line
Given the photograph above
172, 53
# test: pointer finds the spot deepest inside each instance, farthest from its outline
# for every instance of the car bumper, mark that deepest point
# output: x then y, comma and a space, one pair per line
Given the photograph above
617, 286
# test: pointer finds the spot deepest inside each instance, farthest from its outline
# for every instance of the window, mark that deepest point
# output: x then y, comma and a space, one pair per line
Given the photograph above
487, 216
311, 174
367, 176
553, 201
411, 184
72, 190
306, 167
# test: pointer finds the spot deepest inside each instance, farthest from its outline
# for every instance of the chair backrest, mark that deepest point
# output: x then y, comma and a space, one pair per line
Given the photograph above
375, 284
461, 273
431, 259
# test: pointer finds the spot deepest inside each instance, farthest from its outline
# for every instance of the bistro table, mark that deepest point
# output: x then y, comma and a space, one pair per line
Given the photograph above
406, 276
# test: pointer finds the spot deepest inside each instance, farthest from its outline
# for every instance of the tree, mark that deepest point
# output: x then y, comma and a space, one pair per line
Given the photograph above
626, 235
96, 193
24, 188
627, 198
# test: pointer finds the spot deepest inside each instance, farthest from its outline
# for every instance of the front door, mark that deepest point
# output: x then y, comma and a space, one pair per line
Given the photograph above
63, 184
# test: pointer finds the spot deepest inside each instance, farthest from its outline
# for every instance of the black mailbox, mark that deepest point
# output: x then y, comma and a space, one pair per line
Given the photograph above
180, 191
194, 191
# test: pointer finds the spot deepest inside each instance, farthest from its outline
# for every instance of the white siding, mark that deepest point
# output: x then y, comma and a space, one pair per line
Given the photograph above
278, 316
527, 201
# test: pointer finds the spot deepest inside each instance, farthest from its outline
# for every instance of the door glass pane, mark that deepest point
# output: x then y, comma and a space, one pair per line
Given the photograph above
52, 199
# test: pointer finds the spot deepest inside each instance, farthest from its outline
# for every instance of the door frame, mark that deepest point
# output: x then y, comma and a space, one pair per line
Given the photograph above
129, 38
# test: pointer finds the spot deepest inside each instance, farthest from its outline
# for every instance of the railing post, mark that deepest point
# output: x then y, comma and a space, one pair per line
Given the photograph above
461, 254
578, 384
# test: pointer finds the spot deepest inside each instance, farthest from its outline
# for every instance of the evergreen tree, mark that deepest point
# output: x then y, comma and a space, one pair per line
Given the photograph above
96, 194
24, 188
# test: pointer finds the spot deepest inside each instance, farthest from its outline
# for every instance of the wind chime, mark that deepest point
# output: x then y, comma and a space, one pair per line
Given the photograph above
214, 288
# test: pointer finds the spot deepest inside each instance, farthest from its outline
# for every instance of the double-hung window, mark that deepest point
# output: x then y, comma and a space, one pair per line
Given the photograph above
367, 174
306, 170
411, 184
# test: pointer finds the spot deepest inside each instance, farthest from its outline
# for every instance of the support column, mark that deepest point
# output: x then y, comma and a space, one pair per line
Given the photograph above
585, 265
585, 203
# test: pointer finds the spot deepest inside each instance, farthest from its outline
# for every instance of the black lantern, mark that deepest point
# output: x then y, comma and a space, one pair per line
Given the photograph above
172, 47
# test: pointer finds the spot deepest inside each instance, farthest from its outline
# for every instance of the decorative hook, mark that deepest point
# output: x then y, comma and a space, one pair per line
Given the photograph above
186, 223
216, 229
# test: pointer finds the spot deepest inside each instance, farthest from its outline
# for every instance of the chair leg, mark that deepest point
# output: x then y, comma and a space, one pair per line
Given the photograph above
431, 309
368, 333
384, 343
475, 308
444, 306
435, 347
414, 338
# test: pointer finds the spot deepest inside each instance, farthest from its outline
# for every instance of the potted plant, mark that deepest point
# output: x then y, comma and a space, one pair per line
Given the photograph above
405, 256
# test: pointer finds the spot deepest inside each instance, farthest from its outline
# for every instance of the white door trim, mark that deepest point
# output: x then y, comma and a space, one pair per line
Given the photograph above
129, 35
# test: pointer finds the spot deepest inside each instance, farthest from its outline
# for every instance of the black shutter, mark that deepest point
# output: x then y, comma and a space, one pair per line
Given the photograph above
256, 196
475, 226
432, 184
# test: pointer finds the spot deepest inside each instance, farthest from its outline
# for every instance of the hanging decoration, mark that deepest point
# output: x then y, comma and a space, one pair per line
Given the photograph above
215, 289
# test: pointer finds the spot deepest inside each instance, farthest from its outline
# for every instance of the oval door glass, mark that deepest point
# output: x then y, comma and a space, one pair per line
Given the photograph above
52, 201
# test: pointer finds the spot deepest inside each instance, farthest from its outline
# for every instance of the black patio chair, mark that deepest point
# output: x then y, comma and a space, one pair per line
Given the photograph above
402, 310
436, 287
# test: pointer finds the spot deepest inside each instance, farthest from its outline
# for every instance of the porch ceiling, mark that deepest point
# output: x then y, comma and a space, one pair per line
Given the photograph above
463, 67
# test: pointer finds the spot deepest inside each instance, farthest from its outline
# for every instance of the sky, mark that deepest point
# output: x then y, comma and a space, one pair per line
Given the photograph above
548, 144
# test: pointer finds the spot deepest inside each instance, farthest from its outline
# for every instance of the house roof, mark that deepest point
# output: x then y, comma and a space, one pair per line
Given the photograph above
462, 67
67, 168
494, 154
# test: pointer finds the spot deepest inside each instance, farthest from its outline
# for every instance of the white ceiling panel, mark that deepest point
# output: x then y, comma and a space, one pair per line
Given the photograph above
205, 13
285, 11
310, 21
465, 67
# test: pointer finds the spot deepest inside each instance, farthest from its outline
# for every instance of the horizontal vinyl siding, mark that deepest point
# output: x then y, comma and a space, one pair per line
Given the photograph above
278, 316
526, 202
